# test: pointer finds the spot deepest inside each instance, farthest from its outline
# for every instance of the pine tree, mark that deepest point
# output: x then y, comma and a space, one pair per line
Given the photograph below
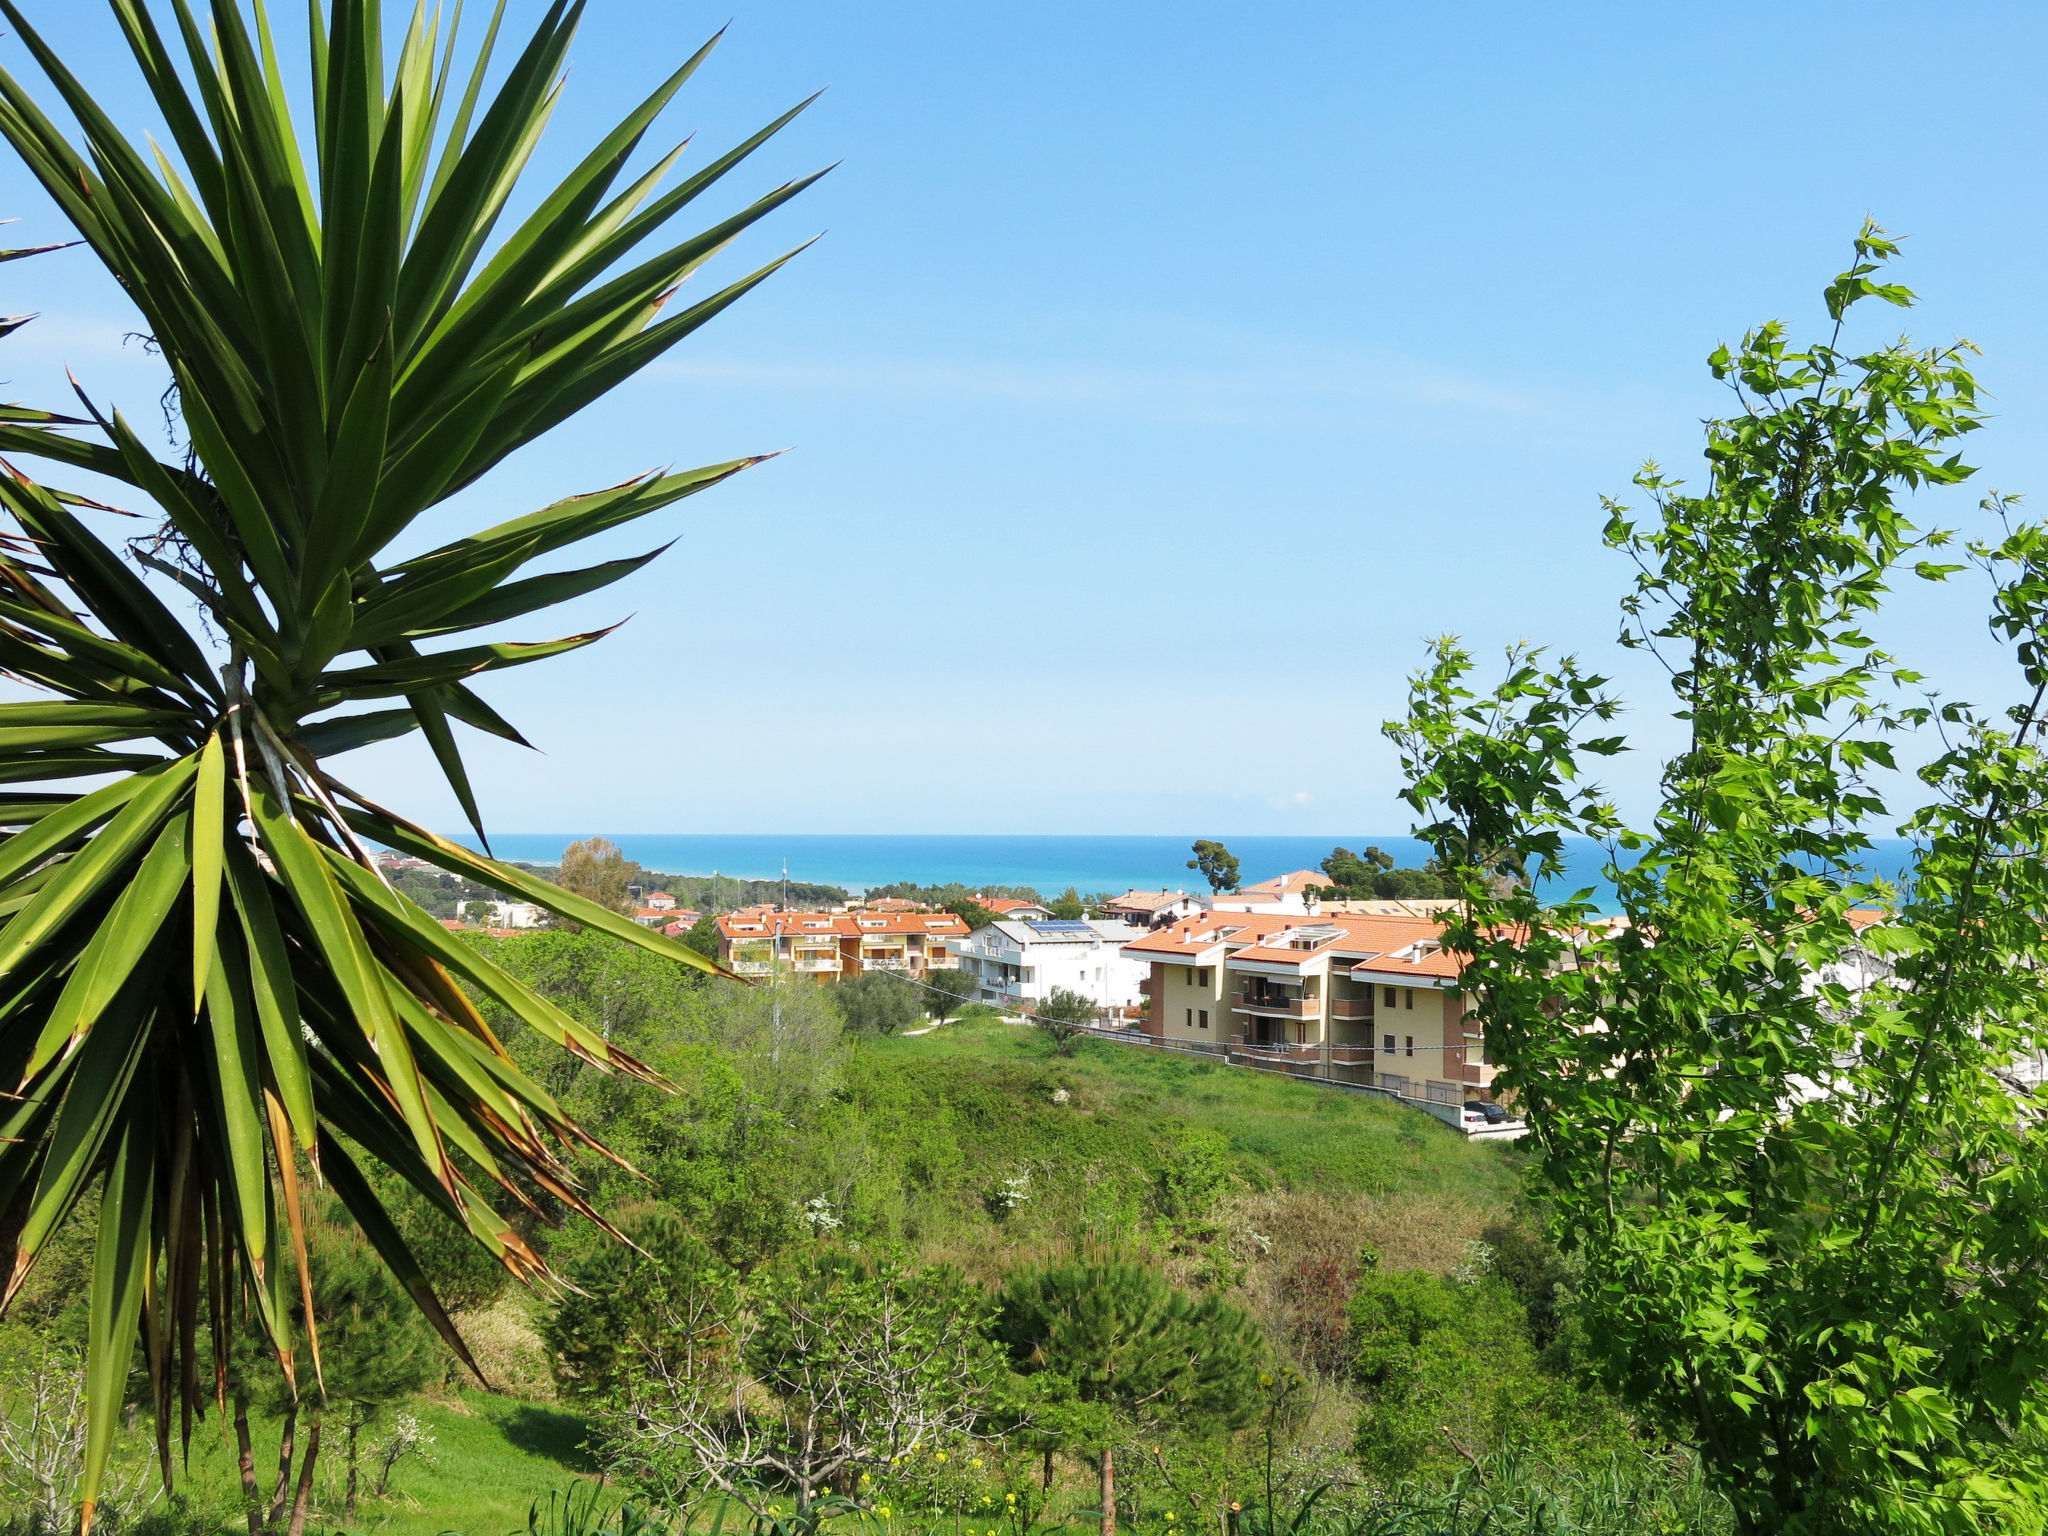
1131, 1346
374, 1349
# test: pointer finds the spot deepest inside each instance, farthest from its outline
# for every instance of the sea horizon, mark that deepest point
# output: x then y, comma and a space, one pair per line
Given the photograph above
1047, 862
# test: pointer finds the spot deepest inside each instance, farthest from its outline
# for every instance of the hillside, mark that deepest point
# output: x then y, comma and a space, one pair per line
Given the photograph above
1157, 1146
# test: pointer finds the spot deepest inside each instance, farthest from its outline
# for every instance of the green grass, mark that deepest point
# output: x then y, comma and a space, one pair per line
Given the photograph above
493, 1457
1280, 1131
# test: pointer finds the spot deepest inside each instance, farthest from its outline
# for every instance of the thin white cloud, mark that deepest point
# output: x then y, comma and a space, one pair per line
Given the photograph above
1265, 384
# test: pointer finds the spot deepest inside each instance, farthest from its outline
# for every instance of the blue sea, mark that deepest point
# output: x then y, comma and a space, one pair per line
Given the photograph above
1048, 863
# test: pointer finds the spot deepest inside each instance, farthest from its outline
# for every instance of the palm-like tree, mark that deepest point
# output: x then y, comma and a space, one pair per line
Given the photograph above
206, 988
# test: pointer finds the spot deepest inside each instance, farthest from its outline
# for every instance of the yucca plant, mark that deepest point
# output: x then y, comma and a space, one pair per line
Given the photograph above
206, 988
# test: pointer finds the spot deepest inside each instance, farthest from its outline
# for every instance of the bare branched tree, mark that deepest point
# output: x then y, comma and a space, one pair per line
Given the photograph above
794, 1383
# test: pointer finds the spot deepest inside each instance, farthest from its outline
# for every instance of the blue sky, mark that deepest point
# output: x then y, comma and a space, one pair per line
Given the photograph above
1168, 372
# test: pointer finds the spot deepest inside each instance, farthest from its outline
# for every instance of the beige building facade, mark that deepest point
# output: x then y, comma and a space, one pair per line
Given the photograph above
1357, 998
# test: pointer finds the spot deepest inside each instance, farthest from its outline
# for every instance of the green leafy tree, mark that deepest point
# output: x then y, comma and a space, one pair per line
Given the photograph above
1122, 1340
1062, 1016
703, 936
1216, 863
1786, 1144
374, 1349
1372, 876
878, 1003
352, 339
948, 990
1448, 1374
627, 1304
1068, 905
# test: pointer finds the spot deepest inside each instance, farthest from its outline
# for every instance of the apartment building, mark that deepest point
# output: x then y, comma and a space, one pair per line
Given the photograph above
1351, 997
1019, 963
829, 945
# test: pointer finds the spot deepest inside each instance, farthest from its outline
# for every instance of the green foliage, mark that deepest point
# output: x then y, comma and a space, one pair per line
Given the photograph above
943, 896
1372, 876
623, 1300
1217, 864
352, 340
727, 893
703, 936
1448, 1373
805, 1374
948, 988
1784, 1146
1118, 1335
1068, 905
878, 1003
1062, 1015
970, 911
437, 893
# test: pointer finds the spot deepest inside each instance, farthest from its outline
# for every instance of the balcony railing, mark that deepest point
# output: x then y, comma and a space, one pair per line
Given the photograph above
1276, 1050
752, 967
1275, 1004
1351, 1008
819, 965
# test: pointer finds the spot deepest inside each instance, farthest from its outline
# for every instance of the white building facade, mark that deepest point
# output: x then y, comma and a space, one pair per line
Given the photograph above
1019, 964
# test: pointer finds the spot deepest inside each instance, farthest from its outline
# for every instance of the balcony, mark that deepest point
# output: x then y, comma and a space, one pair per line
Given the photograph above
1279, 1055
751, 967
1274, 1005
1351, 1008
807, 964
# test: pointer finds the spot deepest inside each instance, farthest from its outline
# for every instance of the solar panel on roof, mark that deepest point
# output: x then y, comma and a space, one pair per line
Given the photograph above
1060, 925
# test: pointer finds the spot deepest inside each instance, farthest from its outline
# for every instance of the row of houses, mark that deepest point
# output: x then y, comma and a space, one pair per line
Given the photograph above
1265, 975
828, 946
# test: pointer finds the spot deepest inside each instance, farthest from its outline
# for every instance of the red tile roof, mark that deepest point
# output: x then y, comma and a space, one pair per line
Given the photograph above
764, 925
1398, 946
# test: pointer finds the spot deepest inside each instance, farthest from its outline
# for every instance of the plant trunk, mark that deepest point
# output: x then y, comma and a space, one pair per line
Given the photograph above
284, 1467
245, 1450
1045, 1481
1108, 1492
348, 1503
303, 1502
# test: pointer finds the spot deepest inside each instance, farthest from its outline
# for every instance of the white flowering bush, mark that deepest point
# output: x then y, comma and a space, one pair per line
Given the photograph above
1007, 1194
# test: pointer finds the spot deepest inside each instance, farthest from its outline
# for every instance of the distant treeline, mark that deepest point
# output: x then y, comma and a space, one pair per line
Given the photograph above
719, 893
723, 893
1372, 876
941, 895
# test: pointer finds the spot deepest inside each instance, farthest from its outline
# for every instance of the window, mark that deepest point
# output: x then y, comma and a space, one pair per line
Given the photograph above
1205, 1018
1411, 1044
1191, 1018
1409, 1000
1389, 1042
1389, 1000
1191, 976
1202, 976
